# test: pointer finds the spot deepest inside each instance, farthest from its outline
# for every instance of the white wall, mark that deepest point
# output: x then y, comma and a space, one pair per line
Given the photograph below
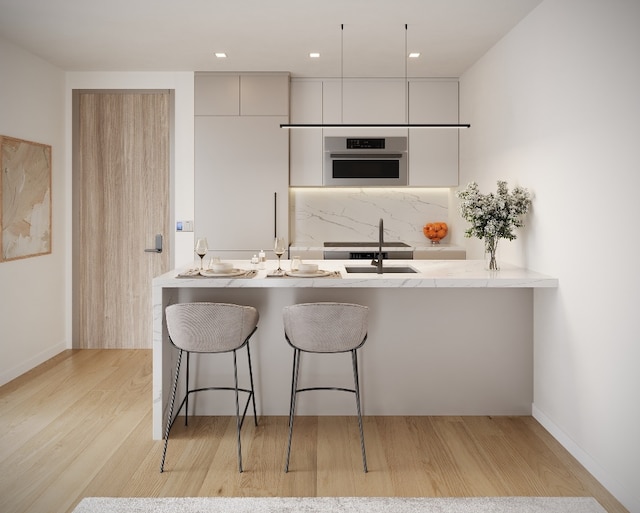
35, 104
32, 290
555, 107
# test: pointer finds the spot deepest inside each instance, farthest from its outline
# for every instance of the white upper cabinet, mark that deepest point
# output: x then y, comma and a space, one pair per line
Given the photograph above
364, 101
259, 94
264, 94
433, 152
305, 145
217, 95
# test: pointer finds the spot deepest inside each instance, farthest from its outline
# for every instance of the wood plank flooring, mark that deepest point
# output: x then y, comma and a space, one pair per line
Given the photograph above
80, 425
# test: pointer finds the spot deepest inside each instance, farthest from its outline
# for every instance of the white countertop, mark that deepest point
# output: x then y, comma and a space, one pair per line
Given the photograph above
431, 274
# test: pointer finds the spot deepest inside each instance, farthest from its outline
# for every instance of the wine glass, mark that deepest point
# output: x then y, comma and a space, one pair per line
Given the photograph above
279, 249
201, 249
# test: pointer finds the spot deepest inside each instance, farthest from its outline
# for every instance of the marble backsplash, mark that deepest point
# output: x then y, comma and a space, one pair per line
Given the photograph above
352, 214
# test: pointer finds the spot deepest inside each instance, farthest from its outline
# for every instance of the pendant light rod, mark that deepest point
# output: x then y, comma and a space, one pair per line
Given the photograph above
342, 73
406, 77
374, 125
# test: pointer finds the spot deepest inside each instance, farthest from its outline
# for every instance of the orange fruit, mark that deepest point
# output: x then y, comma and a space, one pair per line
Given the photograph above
435, 231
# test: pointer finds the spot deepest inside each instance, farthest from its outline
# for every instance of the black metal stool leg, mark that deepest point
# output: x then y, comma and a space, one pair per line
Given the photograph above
292, 404
354, 359
238, 424
253, 395
186, 397
169, 421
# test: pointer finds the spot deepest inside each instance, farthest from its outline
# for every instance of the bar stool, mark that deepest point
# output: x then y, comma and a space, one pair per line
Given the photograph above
325, 328
210, 328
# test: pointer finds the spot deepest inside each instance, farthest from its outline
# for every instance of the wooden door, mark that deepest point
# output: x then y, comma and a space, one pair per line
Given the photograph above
121, 201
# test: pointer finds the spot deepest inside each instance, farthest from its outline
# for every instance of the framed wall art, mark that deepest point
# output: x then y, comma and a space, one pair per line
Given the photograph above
25, 198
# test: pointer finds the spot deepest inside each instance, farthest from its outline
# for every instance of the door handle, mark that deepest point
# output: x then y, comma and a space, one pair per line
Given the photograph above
158, 248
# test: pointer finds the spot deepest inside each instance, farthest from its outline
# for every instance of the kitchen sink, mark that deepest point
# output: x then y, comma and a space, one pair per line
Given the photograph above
373, 270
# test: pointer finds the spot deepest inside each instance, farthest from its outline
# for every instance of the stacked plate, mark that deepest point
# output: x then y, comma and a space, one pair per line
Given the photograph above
221, 269
307, 271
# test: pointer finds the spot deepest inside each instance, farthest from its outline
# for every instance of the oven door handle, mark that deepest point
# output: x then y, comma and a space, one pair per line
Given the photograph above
366, 155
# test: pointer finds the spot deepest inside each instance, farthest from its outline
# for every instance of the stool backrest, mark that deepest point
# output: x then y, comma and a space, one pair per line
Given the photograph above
210, 327
325, 327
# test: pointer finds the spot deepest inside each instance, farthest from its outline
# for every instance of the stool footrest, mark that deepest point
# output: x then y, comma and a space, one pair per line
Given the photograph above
339, 389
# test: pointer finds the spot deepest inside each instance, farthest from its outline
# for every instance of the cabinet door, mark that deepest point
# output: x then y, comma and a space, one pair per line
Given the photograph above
305, 144
433, 153
264, 94
216, 94
375, 101
240, 162
365, 101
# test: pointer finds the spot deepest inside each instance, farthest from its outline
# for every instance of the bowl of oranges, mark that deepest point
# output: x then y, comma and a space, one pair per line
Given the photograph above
435, 232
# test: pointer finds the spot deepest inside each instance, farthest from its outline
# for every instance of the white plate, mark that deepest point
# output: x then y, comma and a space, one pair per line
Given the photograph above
232, 272
315, 274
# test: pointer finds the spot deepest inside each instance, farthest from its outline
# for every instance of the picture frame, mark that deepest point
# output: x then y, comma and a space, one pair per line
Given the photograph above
25, 198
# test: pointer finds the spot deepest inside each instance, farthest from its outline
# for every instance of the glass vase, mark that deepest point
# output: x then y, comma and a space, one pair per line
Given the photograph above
490, 248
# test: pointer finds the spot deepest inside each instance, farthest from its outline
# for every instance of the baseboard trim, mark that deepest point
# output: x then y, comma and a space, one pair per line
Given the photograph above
626, 497
26, 366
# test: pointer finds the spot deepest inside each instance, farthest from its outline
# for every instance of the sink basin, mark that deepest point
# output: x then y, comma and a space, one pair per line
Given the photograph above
373, 270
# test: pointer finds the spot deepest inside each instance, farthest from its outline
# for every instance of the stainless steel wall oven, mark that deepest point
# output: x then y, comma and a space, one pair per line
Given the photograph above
365, 161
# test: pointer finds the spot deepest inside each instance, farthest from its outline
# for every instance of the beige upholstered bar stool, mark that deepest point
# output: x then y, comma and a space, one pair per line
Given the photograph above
325, 328
210, 328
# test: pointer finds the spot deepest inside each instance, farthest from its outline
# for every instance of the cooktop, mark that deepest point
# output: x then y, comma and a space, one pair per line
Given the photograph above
364, 244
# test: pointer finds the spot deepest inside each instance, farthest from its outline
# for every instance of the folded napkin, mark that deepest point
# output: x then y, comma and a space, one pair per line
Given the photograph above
283, 274
195, 273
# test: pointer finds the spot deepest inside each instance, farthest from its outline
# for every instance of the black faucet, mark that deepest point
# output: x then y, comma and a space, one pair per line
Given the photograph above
378, 262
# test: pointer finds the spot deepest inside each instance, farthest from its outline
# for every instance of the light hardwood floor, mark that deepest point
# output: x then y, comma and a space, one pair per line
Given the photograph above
80, 425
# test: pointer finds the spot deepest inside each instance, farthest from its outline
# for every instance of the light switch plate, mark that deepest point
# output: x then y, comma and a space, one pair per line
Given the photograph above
184, 226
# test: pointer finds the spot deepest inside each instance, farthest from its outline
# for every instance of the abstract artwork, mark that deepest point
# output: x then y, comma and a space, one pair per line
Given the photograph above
25, 198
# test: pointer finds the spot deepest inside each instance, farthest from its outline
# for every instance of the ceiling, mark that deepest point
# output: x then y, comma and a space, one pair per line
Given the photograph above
262, 35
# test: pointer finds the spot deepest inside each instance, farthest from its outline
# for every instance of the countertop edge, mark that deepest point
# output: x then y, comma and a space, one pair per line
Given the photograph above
432, 274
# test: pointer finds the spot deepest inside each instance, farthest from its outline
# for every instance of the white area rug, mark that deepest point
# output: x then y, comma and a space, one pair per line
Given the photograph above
340, 504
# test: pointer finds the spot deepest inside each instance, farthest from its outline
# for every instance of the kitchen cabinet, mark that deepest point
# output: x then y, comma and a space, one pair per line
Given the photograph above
317, 101
305, 145
433, 153
244, 94
241, 189
216, 94
364, 101
264, 94
241, 162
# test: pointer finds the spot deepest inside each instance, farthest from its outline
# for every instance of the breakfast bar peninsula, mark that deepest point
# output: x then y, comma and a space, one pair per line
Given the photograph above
445, 337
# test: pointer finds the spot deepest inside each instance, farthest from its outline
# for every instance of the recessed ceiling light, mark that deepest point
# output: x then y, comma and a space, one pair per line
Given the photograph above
414, 55
314, 55
221, 55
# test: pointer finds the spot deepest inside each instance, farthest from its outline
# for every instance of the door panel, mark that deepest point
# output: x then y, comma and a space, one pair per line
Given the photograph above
121, 201
240, 162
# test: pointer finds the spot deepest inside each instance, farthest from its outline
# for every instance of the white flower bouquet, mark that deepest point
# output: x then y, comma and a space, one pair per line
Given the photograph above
493, 216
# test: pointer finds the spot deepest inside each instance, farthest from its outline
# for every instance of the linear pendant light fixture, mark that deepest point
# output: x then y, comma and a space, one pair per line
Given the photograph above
373, 125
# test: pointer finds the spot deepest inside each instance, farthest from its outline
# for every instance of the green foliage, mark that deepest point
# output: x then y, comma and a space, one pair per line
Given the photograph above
495, 215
